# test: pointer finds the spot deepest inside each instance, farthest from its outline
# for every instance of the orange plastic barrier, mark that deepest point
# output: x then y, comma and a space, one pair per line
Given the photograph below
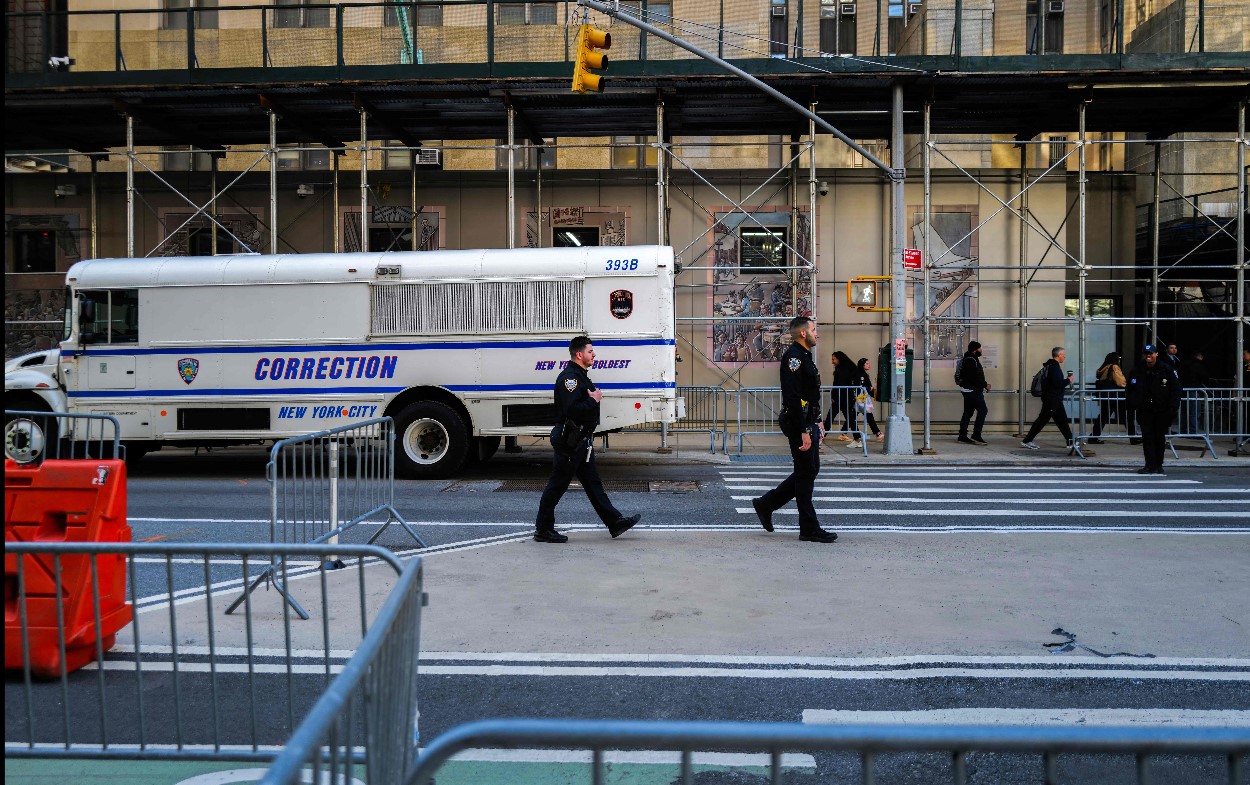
64, 501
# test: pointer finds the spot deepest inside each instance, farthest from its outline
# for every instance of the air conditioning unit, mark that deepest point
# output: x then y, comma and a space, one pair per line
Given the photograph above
427, 157
914, 8
779, 10
1055, 7
847, 9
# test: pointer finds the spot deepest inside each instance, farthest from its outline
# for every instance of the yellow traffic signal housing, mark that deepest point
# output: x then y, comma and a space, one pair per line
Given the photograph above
590, 38
862, 292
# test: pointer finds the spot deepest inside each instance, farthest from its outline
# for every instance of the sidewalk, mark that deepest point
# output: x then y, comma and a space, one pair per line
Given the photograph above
641, 449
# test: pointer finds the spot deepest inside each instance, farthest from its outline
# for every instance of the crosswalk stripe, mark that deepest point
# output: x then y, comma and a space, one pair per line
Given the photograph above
1206, 718
1068, 499
982, 512
1067, 482
959, 475
1036, 489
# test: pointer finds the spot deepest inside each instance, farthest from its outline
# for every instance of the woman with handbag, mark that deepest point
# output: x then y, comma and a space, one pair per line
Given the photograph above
863, 400
1110, 382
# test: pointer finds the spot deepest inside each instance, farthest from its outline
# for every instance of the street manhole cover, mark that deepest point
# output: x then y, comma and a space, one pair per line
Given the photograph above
674, 486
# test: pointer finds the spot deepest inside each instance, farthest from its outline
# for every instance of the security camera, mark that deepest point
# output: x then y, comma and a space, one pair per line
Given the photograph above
304, 190
823, 187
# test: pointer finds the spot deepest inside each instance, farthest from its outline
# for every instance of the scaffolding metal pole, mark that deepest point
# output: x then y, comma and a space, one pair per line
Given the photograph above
1239, 360
538, 195
412, 197
811, 210
95, 209
927, 164
130, 185
336, 219
1154, 248
898, 432
212, 201
273, 182
660, 192
1023, 294
511, 177
1082, 314
364, 180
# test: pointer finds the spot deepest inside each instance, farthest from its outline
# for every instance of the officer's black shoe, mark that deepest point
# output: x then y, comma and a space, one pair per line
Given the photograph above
965, 440
623, 525
1145, 470
820, 535
1159, 471
549, 535
766, 518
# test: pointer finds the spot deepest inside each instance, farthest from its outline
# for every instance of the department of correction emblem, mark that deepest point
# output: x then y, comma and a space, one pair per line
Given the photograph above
795, 363
622, 303
570, 384
188, 368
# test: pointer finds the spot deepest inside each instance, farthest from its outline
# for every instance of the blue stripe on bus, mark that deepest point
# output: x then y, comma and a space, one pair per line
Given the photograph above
354, 390
373, 347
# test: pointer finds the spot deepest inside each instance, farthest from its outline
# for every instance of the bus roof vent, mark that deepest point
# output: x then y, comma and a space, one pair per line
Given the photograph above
481, 307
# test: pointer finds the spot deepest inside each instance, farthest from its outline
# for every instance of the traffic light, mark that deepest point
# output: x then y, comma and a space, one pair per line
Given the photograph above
864, 293
590, 38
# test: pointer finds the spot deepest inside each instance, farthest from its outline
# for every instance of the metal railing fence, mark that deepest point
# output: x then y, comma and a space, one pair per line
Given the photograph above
31, 437
870, 742
324, 483
373, 701
184, 681
1103, 408
707, 411
758, 408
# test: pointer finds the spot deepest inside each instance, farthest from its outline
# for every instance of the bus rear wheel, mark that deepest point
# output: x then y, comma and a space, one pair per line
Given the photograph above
431, 441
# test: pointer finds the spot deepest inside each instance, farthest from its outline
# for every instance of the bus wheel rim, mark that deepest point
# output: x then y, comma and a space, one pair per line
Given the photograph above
23, 441
426, 441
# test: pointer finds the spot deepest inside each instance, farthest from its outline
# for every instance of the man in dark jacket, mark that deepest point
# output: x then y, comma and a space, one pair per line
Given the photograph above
577, 406
974, 387
800, 422
1194, 377
1154, 390
1053, 384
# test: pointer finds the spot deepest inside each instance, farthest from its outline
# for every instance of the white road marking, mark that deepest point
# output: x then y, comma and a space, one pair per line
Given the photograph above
664, 757
1065, 492
1066, 717
1066, 499
955, 474
1068, 484
982, 512
505, 524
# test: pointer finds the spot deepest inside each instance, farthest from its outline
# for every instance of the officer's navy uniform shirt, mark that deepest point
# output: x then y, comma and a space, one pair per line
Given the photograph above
800, 390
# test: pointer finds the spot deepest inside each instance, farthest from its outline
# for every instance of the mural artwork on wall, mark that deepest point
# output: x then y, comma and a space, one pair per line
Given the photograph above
390, 229
955, 256
562, 227
753, 295
194, 237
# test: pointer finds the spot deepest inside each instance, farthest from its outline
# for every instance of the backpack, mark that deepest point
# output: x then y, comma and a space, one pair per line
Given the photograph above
1035, 387
959, 372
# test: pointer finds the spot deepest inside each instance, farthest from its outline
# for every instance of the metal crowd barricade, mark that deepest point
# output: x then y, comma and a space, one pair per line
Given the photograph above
759, 407
324, 483
874, 745
31, 437
185, 682
1224, 404
707, 411
1104, 407
373, 702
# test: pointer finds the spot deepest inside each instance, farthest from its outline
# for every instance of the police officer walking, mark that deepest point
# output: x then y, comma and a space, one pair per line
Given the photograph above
1154, 390
577, 404
800, 422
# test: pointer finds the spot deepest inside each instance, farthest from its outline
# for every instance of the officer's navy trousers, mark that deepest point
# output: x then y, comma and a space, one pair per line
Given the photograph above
1154, 430
564, 466
798, 486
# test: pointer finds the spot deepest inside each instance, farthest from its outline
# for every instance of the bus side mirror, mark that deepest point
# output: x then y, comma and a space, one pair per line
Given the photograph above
86, 312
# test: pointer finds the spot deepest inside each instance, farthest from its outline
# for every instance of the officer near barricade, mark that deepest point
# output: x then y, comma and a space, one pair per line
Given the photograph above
800, 422
1154, 391
577, 406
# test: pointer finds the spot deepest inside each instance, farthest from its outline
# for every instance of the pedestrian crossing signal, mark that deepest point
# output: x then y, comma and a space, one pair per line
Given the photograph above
590, 38
863, 294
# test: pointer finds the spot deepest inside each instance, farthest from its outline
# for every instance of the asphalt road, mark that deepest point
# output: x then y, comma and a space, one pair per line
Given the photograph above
553, 645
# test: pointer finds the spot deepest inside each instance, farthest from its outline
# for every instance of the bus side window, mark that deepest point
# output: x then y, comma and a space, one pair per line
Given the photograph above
124, 316
93, 317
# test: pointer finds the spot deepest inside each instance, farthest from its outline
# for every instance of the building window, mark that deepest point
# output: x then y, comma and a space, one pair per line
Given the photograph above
1056, 149
1047, 36
303, 156
527, 155
302, 13
200, 241
627, 154
896, 20
396, 156
762, 249
525, 13
837, 27
176, 14
414, 14
34, 251
574, 236
778, 28
187, 159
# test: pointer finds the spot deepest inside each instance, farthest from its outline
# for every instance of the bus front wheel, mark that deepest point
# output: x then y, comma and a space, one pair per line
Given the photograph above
431, 441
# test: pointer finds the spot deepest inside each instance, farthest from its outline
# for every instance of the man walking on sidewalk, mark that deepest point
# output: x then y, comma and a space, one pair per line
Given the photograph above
1053, 384
970, 376
1154, 390
800, 422
577, 406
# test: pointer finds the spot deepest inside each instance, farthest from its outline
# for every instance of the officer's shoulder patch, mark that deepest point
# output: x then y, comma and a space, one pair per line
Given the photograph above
570, 384
795, 363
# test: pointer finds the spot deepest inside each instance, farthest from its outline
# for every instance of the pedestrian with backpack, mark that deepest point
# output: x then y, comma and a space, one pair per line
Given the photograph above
1049, 384
970, 377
